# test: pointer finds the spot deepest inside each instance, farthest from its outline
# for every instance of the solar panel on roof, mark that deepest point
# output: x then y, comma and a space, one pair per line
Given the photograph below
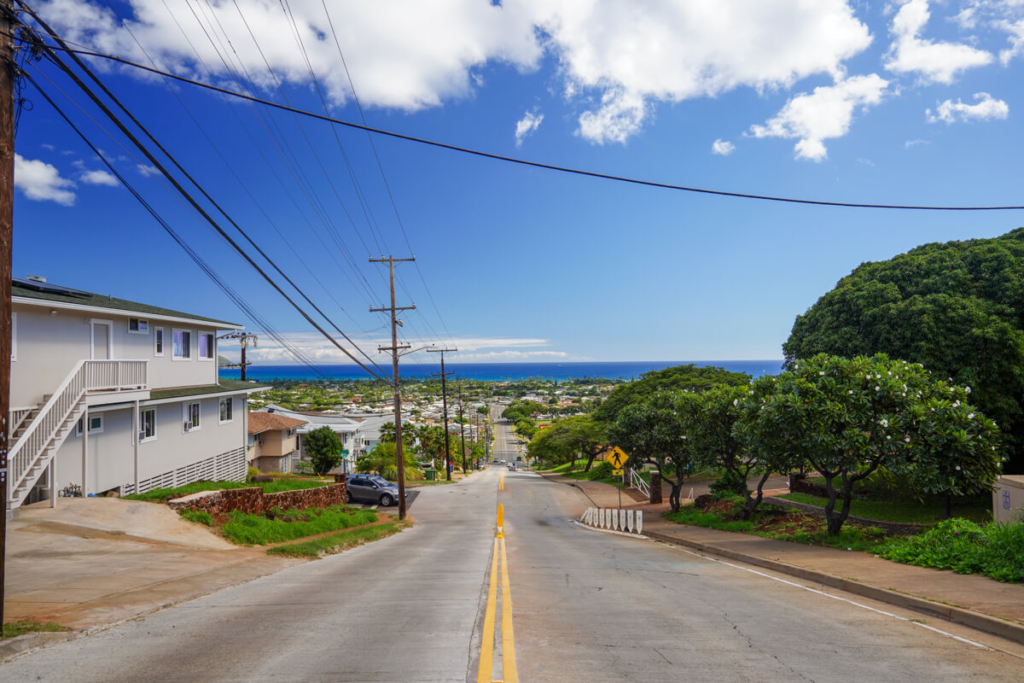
48, 288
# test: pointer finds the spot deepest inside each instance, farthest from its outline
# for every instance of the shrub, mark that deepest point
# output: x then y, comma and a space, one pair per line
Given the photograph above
602, 470
251, 473
198, 516
996, 550
728, 484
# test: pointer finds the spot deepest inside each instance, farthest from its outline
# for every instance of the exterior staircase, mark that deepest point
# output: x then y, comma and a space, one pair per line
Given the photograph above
39, 432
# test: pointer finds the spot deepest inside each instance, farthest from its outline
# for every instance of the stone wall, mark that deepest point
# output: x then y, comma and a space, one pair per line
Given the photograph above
254, 501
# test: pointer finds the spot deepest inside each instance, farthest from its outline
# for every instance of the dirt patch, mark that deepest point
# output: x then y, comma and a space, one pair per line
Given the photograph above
790, 522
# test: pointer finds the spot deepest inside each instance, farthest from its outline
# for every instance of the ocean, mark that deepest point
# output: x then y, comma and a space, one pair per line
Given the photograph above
497, 372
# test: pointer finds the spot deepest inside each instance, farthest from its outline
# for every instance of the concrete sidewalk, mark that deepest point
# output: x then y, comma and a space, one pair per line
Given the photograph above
95, 561
972, 600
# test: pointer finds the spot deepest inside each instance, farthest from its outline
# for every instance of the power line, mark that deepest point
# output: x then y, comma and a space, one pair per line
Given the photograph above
541, 165
246, 308
124, 130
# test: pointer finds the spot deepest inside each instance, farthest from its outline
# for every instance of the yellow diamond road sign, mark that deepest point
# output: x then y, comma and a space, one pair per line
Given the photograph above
617, 458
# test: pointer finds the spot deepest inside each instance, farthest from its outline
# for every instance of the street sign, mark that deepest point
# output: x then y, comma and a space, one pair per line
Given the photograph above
617, 457
617, 473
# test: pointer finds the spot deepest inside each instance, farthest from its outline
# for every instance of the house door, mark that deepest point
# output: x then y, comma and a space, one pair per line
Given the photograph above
102, 340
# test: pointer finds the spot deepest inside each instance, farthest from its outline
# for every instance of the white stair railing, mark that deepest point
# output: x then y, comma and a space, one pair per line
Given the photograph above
640, 484
33, 451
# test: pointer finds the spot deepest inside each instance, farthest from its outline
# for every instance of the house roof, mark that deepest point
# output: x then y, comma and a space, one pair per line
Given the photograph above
263, 422
222, 386
41, 292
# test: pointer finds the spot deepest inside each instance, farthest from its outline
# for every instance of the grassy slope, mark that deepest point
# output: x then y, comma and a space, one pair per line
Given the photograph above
247, 529
903, 511
337, 542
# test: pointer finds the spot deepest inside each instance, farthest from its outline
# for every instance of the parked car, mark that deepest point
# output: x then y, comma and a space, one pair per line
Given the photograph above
512, 466
371, 489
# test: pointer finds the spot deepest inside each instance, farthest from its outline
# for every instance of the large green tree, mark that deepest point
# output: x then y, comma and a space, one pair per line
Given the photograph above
957, 308
678, 378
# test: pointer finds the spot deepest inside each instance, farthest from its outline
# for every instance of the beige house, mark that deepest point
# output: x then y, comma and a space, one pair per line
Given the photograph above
114, 395
273, 441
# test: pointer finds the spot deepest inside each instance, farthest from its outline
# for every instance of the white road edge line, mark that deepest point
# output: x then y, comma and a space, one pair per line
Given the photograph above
835, 597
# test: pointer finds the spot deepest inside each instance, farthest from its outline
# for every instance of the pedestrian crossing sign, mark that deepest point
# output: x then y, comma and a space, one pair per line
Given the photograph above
617, 458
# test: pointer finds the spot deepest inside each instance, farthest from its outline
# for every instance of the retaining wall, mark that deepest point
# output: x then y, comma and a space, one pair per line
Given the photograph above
254, 501
891, 527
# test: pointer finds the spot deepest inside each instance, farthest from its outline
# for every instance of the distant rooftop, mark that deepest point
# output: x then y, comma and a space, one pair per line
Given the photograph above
44, 291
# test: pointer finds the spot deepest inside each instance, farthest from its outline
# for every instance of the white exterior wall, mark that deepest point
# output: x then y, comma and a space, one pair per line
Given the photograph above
112, 454
48, 345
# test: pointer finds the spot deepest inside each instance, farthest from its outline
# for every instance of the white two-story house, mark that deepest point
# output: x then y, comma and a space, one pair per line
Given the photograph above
114, 395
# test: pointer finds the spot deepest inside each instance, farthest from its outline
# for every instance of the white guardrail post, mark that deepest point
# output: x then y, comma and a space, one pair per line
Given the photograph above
613, 519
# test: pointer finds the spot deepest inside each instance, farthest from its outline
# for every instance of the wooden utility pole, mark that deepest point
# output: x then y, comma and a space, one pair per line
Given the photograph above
244, 339
444, 402
394, 349
462, 431
8, 74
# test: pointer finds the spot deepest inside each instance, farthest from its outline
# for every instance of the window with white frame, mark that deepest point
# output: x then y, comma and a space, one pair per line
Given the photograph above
158, 341
147, 424
206, 346
138, 326
227, 406
182, 342
95, 425
192, 417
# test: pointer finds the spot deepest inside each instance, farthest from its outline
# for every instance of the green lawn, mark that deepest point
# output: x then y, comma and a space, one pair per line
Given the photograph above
337, 542
13, 629
247, 529
276, 486
902, 511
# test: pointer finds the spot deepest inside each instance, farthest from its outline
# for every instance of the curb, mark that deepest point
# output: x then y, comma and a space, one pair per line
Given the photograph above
957, 615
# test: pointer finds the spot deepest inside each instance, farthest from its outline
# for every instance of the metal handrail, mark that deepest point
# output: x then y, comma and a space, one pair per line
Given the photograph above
640, 484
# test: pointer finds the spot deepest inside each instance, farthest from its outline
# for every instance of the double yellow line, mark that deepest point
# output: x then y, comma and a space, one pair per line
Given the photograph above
501, 481
508, 643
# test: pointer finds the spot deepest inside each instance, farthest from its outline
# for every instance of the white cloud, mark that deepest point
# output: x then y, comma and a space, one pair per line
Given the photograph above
1016, 38
722, 147
527, 125
910, 144
42, 182
933, 61
147, 170
619, 117
623, 56
866, 162
825, 113
986, 109
99, 177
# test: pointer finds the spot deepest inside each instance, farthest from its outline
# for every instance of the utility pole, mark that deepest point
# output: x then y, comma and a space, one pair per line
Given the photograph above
394, 349
8, 74
462, 431
244, 339
444, 402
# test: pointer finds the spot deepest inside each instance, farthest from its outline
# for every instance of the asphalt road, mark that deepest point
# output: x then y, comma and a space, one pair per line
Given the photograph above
587, 606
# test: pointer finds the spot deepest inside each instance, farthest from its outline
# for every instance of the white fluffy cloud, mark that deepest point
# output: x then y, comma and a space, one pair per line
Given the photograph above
616, 58
986, 109
42, 182
1015, 30
933, 61
527, 125
825, 113
722, 147
99, 177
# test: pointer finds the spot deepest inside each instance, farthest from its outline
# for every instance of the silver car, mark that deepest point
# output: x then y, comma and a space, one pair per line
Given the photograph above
369, 488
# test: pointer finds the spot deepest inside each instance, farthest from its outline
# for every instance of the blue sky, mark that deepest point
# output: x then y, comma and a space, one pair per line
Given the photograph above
914, 102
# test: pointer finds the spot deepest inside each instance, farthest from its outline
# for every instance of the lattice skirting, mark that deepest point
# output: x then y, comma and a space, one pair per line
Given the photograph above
229, 466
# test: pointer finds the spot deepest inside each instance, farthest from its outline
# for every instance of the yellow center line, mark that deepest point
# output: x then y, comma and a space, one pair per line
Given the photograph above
508, 643
501, 481
487, 644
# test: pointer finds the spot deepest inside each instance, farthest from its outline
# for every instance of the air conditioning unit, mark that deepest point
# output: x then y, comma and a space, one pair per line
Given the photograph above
142, 436
188, 426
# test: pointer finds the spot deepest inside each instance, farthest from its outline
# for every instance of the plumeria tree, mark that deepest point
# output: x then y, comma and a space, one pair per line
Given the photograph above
714, 433
845, 417
957, 449
658, 429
